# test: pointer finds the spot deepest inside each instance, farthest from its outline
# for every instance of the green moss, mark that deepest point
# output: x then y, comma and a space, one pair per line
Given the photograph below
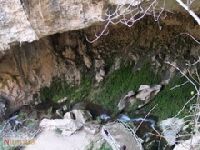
170, 102
119, 83
105, 146
60, 88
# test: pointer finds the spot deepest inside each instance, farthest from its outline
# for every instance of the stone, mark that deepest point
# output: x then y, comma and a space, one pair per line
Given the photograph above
92, 128
102, 73
98, 77
62, 100
79, 115
65, 108
146, 92
117, 64
100, 70
87, 61
126, 100
59, 112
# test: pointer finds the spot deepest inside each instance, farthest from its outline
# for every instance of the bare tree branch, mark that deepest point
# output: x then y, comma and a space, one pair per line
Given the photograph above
192, 13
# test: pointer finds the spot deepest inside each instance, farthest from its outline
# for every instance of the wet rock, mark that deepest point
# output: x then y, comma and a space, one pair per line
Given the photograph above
171, 127
124, 118
15, 123
65, 108
104, 117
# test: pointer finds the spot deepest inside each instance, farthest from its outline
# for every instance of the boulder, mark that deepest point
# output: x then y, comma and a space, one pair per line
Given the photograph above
50, 140
66, 126
79, 115
120, 138
147, 92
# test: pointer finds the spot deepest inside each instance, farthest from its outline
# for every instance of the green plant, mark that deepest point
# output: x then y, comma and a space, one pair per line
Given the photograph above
60, 88
105, 146
119, 83
170, 102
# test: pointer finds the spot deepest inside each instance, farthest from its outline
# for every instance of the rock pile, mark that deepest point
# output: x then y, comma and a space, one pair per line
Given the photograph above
144, 94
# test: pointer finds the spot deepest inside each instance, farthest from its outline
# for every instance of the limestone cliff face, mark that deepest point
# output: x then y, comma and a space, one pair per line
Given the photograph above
25, 69
29, 20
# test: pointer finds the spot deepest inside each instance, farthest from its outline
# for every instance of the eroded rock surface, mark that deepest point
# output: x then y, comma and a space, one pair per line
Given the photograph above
26, 20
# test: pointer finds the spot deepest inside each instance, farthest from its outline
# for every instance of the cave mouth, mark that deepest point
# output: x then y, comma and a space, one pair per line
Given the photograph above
67, 65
